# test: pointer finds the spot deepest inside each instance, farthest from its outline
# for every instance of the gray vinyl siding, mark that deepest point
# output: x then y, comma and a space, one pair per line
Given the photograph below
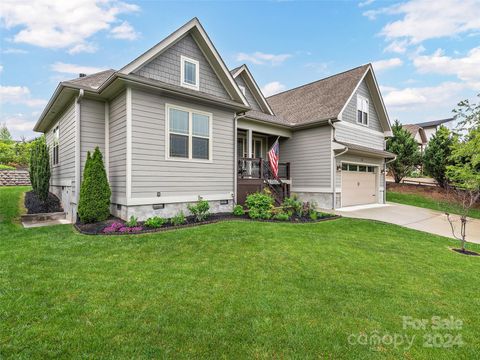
152, 173
166, 67
65, 170
248, 94
118, 148
92, 129
358, 135
350, 112
309, 154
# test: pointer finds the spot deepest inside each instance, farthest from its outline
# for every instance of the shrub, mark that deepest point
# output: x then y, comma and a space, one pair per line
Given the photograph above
292, 205
6, 167
132, 222
238, 210
200, 210
313, 215
308, 208
121, 228
259, 205
40, 168
94, 204
282, 216
154, 222
178, 219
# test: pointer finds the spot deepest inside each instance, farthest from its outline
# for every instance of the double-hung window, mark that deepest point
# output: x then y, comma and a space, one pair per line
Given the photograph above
189, 134
362, 110
56, 145
190, 73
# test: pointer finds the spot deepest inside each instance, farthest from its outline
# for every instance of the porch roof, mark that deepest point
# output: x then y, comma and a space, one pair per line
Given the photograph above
365, 149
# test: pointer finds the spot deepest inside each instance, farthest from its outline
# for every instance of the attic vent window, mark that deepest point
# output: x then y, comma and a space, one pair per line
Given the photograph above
362, 110
190, 73
242, 89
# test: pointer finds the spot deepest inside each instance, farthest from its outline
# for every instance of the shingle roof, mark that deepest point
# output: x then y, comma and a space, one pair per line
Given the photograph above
233, 71
93, 81
434, 122
258, 115
412, 128
319, 100
367, 150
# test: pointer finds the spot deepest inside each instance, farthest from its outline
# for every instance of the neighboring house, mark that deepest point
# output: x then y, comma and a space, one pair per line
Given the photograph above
418, 134
175, 126
430, 127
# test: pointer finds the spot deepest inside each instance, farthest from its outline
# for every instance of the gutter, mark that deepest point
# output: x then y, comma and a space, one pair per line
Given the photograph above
334, 164
235, 159
78, 162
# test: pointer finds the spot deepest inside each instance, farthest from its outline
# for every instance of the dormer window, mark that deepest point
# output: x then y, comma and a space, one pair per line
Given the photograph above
190, 73
362, 110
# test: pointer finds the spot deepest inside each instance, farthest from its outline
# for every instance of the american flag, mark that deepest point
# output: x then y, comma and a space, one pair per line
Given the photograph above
273, 156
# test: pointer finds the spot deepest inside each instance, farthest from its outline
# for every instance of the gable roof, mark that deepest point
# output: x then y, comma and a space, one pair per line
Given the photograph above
253, 87
434, 122
198, 33
319, 100
93, 81
415, 129
327, 98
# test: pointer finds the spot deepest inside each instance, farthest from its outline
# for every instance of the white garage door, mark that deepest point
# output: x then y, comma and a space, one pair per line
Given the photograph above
359, 184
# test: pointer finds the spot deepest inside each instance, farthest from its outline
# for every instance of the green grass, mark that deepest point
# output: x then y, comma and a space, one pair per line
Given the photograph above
429, 203
6, 167
229, 290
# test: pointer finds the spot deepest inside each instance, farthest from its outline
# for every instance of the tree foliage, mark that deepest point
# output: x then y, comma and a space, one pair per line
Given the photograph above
94, 203
437, 155
405, 147
468, 114
5, 135
40, 168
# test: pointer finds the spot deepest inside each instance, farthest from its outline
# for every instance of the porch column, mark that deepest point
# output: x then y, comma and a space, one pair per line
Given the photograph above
249, 151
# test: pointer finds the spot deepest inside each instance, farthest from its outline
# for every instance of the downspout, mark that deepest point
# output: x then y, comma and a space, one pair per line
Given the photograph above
235, 160
385, 178
334, 165
78, 162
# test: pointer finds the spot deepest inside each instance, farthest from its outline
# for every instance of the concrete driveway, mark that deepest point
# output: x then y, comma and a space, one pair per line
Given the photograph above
413, 217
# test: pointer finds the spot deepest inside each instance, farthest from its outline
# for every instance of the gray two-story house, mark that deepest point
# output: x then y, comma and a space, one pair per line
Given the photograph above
175, 126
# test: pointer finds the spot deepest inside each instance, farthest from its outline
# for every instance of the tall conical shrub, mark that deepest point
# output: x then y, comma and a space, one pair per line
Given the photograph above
94, 203
40, 168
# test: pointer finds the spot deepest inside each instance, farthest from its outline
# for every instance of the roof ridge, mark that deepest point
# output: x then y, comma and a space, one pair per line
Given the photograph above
90, 75
316, 81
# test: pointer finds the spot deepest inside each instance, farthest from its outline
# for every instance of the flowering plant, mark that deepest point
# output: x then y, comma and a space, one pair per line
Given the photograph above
121, 228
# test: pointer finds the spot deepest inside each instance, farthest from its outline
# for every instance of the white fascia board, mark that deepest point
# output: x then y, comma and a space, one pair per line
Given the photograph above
352, 94
256, 89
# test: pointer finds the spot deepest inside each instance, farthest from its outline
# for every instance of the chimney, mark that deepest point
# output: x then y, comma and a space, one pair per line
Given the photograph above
82, 75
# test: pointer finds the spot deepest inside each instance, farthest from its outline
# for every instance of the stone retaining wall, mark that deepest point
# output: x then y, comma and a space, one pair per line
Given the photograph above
14, 177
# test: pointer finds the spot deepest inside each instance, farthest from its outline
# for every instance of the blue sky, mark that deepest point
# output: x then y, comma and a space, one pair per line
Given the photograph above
426, 54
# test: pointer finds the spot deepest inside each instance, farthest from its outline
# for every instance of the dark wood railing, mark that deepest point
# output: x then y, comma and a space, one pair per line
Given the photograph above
258, 168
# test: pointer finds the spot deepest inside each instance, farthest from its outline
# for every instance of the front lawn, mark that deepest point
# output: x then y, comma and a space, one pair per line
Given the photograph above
231, 290
427, 202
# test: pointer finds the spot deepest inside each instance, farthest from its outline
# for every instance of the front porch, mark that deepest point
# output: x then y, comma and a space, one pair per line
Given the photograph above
253, 168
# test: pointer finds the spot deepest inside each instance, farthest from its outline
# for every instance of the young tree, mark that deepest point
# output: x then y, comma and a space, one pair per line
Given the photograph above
5, 135
94, 203
464, 176
404, 146
468, 114
437, 155
40, 168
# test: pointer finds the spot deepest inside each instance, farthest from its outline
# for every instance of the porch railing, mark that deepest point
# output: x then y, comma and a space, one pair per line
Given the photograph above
258, 168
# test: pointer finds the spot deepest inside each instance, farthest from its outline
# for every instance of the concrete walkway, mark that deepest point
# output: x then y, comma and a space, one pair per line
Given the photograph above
413, 217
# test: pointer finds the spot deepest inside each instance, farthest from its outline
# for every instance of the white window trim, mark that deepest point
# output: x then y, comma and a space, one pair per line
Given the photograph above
183, 59
56, 142
363, 98
190, 135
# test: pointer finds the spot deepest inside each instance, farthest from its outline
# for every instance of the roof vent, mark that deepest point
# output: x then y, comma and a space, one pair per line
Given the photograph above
82, 75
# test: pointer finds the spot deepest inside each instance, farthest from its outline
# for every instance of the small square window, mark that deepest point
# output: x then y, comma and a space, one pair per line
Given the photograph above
344, 166
352, 167
362, 168
190, 73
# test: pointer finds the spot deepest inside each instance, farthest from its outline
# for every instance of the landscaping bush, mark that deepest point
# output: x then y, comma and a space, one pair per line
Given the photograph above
154, 222
260, 205
40, 168
282, 216
178, 219
200, 210
291, 205
94, 204
313, 215
132, 222
238, 210
6, 167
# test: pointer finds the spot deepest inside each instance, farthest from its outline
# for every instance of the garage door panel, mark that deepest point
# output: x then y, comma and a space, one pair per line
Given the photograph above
358, 188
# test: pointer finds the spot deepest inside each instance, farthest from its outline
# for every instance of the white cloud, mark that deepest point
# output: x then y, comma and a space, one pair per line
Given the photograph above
84, 47
124, 31
465, 68
396, 46
1, 69
64, 68
260, 58
61, 24
365, 3
386, 64
19, 95
20, 125
14, 51
412, 98
272, 88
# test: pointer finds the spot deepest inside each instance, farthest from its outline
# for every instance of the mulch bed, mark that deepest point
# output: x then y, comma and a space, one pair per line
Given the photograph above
432, 192
35, 206
97, 228
466, 252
